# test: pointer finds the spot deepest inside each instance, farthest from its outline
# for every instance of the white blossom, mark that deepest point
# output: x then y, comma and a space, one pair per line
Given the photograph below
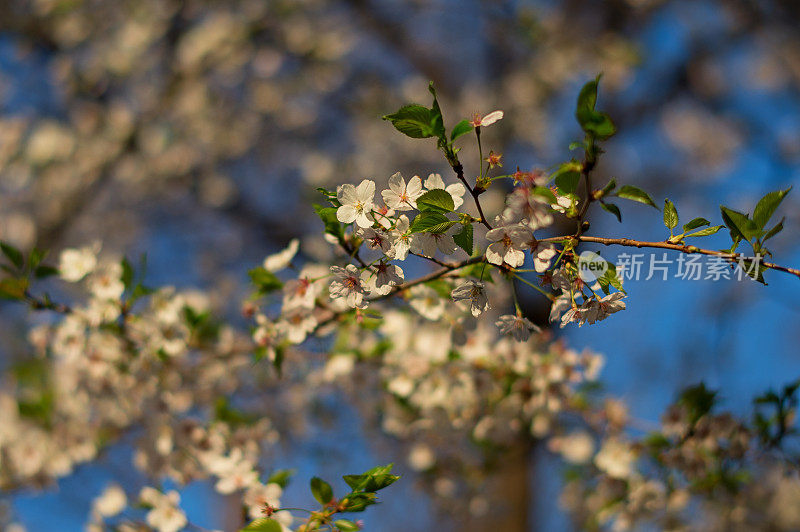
401, 239
476, 293
75, 264
356, 203
349, 283
509, 241
401, 196
517, 326
282, 259
615, 458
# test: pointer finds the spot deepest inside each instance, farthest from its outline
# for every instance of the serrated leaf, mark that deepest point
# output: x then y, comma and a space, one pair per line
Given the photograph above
12, 254
694, 224
670, 215
707, 231
321, 490
413, 120
431, 222
766, 207
463, 239
375, 479
437, 200
613, 209
460, 129
774, 231
739, 224
263, 525
633, 193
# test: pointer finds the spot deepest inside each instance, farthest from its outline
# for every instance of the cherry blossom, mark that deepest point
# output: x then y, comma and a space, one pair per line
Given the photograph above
401, 196
356, 203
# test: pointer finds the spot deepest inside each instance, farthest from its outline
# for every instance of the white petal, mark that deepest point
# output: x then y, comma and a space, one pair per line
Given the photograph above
491, 118
346, 214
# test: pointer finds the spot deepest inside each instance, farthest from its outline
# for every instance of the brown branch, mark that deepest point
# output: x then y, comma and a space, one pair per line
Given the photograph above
458, 168
683, 248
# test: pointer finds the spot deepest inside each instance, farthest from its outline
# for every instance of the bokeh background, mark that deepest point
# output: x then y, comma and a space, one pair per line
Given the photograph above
197, 131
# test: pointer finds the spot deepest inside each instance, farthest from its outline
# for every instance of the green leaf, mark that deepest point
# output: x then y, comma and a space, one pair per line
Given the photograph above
437, 121
707, 231
436, 200
460, 129
545, 193
633, 193
766, 207
281, 477
332, 224
739, 224
694, 224
35, 258
12, 288
431, 222
358, 502
321, 490
609, 187
670, 215
346, 525
774, 231
613, 209
45, 271
263, 525
567, 177
375, 479
264, 280
413, 120
464, 239
12, 254
698, 401
593, 122
127, 273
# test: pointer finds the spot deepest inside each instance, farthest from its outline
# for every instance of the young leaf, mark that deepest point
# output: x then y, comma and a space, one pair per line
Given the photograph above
694, 224
463, 239
332, 224
346, 525
12, 254
431, 222
707, 231
264, 280
633, 193
460, 129
670, 215
375, 479
611, 185
766, 207
11, 288
263, 525
613, 209
567, 177
45, 271
281, 477
739, 224
546, 193
774, 231
413, 120
593, 122
436, 200
437, 120
321, 490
